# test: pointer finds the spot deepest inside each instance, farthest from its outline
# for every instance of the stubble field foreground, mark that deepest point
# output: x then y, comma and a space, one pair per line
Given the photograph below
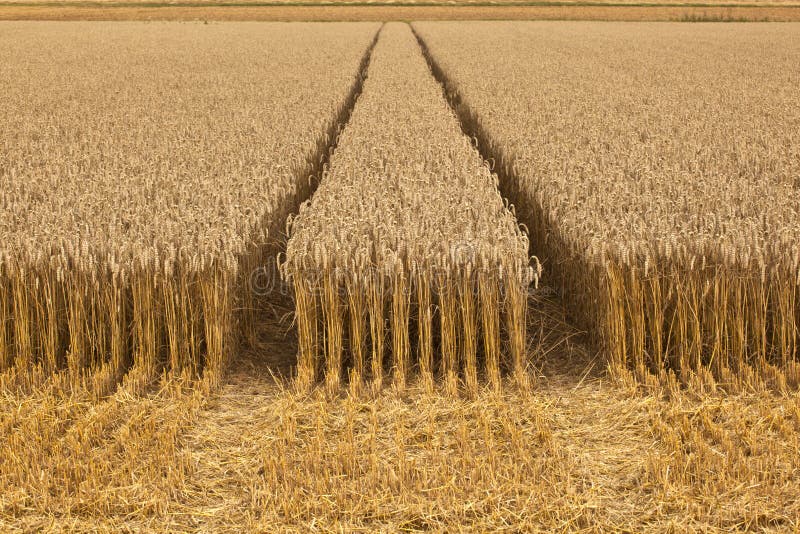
363, 277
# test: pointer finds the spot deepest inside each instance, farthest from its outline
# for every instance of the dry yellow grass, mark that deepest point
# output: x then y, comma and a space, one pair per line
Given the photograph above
657, 167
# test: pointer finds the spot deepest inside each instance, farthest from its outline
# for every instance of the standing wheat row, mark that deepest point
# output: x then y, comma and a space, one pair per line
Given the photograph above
407, 254
145, 172
658, 167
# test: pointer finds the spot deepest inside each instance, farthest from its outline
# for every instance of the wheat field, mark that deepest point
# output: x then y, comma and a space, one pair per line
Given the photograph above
360, 277
407, 226
664, 186
152, 190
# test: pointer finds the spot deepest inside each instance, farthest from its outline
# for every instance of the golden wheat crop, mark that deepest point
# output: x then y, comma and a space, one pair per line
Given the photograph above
657, 167
146, 170
407, 233
127, 139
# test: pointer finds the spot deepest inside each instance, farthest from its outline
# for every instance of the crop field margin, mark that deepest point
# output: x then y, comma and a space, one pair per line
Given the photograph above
149, 4
340, 12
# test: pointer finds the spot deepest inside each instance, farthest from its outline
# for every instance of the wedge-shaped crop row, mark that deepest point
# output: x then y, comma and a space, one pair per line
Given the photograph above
658, 168
407, 256
145, 172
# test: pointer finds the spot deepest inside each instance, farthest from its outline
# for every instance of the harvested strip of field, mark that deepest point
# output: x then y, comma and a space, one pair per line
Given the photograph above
145, 172
407, 247
658, 167
576, 453
83, 458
